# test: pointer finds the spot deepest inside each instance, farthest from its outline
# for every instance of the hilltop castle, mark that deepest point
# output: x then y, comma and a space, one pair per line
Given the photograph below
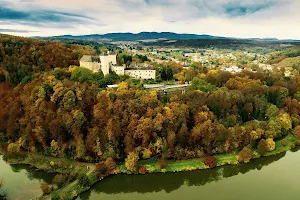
108, 62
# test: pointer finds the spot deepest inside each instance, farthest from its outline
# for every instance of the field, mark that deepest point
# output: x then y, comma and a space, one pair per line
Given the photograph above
289, 62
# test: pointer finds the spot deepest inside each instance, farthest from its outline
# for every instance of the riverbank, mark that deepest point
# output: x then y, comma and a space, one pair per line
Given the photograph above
72, 190
151, 166
197, 163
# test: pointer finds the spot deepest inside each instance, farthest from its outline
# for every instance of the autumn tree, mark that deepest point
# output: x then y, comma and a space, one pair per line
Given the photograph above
131, 162
60, 180
297, 132
245, 155
266, 145
210, 161
46, 189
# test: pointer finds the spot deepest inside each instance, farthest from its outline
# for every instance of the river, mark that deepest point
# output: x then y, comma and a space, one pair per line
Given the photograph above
276, 178
21, 181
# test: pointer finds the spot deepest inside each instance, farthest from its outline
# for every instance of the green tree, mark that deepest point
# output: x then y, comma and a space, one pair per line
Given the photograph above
82, 75
166, 74
201, 84
83, 180
272, 111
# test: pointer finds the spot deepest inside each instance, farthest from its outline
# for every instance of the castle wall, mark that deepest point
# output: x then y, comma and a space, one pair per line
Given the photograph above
112, 59
120, 70
93, 66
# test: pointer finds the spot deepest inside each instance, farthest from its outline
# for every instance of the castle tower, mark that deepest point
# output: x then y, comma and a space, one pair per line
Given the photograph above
107, 61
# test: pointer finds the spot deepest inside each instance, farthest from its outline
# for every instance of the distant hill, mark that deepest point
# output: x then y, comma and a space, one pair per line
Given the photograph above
137, 36
153, 36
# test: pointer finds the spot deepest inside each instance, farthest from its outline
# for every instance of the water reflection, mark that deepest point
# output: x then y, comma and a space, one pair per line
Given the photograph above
172, 181
22, 181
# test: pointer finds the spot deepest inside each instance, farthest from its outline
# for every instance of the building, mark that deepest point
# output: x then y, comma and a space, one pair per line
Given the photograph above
99, 63
167, 89
141, 71
232, 69
108, 62
91, 62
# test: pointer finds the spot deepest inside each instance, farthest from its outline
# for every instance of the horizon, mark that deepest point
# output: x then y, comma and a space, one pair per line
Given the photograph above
238, 19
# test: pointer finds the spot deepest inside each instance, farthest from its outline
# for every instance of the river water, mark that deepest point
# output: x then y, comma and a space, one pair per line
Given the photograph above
21, 181
274, 178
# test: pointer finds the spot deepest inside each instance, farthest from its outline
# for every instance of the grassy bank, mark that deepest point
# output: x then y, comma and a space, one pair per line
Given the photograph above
49, 164
224, 159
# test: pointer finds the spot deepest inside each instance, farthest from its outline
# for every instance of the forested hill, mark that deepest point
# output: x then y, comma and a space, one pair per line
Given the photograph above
64, 113
136, 36
158, 36
21, 57
234, 44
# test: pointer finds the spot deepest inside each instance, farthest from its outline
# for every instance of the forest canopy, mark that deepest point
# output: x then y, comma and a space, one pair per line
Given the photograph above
62, 112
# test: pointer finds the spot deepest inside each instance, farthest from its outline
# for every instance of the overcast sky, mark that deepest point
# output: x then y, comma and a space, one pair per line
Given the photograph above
235, 18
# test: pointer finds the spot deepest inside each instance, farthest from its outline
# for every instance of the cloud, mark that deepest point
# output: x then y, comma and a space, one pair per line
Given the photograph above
236, 18
3, 30
39, 16
236, 9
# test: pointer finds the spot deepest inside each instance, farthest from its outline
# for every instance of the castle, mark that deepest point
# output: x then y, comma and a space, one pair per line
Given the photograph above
108, 62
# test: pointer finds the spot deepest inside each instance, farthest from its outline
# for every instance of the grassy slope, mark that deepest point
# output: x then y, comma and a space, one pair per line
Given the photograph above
289, 62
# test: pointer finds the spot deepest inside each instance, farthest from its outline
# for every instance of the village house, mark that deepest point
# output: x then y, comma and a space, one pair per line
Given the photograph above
108, 62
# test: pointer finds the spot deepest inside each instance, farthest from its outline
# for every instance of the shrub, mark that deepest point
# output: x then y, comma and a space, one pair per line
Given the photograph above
146, 154
270, 144
45, 187
13, 149
162, 163
142, 170
101, 170
84, 180
60, 180
210, 161
297, 132
284, 142
110, 164
245, 155
73, 175
74, 193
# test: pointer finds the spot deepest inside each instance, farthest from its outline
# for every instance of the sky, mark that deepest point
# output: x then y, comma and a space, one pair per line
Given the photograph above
232, 18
